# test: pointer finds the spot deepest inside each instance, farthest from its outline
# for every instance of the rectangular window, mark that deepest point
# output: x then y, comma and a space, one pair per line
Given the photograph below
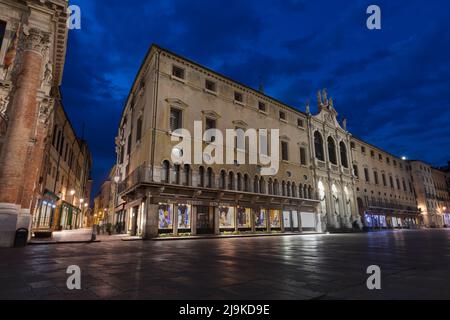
303, 156
139, 129
282, 115
380, 157
129, 145
175, 119
284, 151
352, 145
355, 171
383, 176
210, 85
178, 72
55, 133
388, 160
210, 124
2, 32
391, 182
262, 106
363, 149
372, 153
238, 97
300, 123
366, 174
375, 175
121, 155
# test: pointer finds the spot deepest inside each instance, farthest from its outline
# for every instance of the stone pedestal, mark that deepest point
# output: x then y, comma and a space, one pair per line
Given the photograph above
9, 215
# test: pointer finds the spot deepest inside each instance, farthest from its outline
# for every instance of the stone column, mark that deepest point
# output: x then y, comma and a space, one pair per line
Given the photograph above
151, 221
252, 219
19, 170
193, 220
216, 220
175, 219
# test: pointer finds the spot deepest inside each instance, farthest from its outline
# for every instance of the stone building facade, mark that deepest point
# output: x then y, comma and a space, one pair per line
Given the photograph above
432, 193
327, 180
33, 36
385, 193
105, 204
66, 185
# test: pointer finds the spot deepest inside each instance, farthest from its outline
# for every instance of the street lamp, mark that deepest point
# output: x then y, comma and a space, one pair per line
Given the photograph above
404, 158
72, 192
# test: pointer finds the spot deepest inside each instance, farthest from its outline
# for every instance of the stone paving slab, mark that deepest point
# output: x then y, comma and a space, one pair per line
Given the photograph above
414, 263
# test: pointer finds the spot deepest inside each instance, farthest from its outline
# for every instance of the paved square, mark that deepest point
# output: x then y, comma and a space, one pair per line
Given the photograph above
415, 264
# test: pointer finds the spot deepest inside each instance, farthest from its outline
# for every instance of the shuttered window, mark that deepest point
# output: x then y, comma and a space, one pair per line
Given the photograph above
175, 119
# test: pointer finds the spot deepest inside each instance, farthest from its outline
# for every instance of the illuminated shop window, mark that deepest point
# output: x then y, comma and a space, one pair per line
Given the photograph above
275, 219
184, 216
227, 217
261, 219
165, 213
243, 217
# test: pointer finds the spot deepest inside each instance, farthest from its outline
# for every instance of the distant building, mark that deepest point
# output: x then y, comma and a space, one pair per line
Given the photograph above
105, 205
33, 36
66, 184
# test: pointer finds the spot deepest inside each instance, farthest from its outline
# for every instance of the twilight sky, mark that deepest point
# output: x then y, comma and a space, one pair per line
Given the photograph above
393, 85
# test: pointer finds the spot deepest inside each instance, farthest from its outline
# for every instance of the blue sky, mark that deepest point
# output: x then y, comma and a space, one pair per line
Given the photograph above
393, 84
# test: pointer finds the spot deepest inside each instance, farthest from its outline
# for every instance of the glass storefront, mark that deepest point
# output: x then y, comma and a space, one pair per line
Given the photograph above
244, 217
275, 219
227, 217
205, 220
43, 219
165, 213
184, 216
69, 217
261, 219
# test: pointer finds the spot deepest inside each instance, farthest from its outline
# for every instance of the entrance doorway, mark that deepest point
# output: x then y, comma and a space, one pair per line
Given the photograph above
205, 220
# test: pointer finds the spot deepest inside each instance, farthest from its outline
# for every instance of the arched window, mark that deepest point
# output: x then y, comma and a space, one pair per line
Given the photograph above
246, 183
223, 178
165, 174
256, 185
231, 181
262, 186
187, 175
300, 190
289, 189
276, 187
176, 172
332, 151
201, 173
283, 188
239, 182
344, 159
294, 190
310, 192
270, 186
305, 192
318, 146
209, 178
